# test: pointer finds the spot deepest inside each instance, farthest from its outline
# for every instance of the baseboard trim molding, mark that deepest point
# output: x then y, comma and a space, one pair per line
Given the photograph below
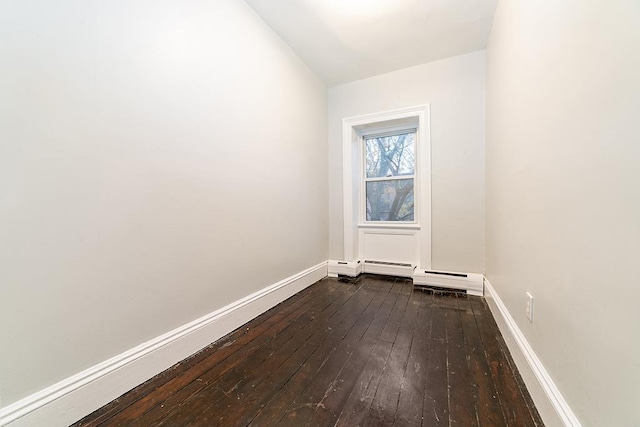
544, 391
77, 396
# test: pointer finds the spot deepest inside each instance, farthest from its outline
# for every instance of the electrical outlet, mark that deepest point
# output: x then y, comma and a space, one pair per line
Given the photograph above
530, 307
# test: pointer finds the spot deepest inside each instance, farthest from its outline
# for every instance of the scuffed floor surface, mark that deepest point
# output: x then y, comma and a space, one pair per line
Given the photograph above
366, 351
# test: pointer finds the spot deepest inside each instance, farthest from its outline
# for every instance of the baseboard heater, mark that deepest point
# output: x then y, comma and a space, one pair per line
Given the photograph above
354, 268
345, 268
472, 283
389, 268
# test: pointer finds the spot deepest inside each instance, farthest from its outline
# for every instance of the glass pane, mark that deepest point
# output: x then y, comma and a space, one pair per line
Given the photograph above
390, 155
390, 200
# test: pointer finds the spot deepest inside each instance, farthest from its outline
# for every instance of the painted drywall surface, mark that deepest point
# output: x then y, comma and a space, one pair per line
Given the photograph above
563, 200
454, 88
158, 160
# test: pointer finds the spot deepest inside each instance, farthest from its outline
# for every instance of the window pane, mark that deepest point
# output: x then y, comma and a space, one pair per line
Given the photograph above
390, 155
390, 200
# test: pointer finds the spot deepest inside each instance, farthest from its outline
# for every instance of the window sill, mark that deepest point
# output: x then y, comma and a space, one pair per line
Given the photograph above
391, 225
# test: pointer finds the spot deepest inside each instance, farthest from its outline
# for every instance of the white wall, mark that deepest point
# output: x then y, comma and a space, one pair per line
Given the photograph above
158, 160
455, 90
563, 193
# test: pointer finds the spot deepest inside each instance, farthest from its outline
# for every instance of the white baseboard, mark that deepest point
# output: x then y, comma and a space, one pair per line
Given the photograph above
75, 397
552, 406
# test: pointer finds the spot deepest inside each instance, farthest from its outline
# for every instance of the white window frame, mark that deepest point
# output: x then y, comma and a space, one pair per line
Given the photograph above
353, 130
382, 132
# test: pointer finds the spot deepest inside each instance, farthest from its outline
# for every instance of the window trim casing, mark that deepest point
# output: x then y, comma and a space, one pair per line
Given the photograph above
353, 128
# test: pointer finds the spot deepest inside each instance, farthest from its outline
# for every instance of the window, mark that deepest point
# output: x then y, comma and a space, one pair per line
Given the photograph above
389, 176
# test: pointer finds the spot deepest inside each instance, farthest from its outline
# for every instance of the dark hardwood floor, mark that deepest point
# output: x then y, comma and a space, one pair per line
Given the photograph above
369, 351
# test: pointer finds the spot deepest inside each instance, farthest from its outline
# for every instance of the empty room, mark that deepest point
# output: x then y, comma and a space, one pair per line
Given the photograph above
319, 213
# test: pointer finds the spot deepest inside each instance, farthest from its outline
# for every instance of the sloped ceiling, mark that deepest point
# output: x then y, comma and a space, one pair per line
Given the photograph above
346, 40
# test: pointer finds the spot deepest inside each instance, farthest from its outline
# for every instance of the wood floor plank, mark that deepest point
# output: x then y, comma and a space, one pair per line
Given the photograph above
462, 406
330, 376
510, 395
345, 352
533, 411
490, 411
180, 405
178, 394
414, 382
304, 405
332, 403
436, 399
357, 405
385, 402
166, 381
254, 394
156, 391
281, 403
